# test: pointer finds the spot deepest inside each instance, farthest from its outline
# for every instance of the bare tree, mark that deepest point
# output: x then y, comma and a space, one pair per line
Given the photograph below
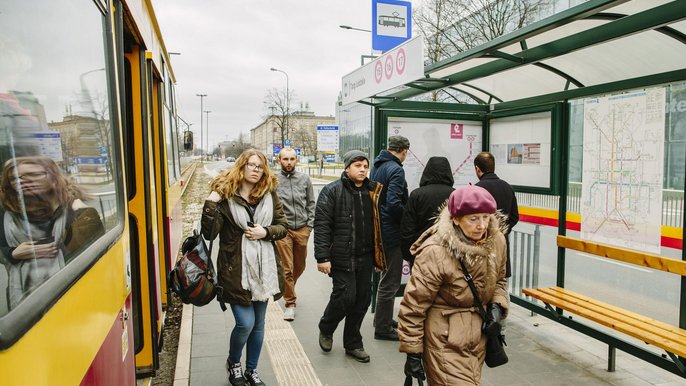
453, 26
277, 106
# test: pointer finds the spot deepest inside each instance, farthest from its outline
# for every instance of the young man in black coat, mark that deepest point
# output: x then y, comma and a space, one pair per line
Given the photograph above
505, 198
434, 189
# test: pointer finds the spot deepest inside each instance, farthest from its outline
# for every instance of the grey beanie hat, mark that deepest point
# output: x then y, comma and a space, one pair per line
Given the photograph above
350, 157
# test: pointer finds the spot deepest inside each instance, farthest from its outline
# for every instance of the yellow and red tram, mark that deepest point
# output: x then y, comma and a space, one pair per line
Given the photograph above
88, 86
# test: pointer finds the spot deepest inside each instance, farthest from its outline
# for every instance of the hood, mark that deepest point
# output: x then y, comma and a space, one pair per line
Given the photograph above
385, 156
437, 171
449, 236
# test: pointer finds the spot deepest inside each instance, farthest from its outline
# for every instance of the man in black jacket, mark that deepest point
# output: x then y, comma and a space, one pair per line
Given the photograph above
434, 189
347, 246
505, 198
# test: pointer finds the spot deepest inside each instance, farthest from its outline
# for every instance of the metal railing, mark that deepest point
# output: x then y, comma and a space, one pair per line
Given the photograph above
525, 254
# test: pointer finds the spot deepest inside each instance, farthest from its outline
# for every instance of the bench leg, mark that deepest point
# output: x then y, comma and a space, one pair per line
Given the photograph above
611, 358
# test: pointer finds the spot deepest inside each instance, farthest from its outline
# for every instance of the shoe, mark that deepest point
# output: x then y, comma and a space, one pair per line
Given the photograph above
391, 334
289, 314
358, 354
235, 374
325, 341
253, 378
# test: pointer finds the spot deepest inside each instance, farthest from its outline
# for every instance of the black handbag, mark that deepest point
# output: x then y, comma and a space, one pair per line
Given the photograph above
495, 352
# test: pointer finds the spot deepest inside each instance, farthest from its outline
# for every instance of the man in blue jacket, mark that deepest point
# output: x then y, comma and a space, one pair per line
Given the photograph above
388, 170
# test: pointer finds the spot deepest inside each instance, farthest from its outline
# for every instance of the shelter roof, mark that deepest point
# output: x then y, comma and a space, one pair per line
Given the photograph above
596, 47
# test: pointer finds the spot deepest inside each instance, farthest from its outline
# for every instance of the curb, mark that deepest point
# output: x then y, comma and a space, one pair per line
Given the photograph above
182, 374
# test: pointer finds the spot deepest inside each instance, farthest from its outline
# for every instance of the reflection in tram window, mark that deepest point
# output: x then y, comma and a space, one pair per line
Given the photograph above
44, 222
61, 186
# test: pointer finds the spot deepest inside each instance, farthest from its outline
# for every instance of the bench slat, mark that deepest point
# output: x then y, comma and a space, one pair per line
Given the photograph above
665, 330
673, 346
626, 255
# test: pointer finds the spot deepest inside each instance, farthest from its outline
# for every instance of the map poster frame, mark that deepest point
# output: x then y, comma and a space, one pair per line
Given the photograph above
526, 147
431, 134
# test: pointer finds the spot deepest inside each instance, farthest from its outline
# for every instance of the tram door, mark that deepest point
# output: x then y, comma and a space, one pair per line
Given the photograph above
143, 226
157, 123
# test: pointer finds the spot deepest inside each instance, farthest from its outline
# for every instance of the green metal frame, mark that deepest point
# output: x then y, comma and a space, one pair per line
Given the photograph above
395, 104
556, 129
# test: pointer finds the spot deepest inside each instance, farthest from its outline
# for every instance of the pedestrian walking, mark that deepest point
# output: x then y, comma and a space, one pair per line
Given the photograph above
440, 327
502, 192
245, 211
347, 246
425, 202
297, 197
388, 170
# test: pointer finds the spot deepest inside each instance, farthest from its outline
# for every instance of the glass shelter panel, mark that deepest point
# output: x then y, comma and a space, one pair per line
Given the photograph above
617, 183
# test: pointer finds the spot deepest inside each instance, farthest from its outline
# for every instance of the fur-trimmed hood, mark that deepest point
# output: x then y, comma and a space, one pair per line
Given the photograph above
445, 233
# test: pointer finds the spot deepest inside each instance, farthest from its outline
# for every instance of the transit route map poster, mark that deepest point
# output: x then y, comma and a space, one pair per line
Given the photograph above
459, 141
623, 156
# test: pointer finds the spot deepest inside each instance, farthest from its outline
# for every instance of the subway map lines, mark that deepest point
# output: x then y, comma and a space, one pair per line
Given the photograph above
623, 168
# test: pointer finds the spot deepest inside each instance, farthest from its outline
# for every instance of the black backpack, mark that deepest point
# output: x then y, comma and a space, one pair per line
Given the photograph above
194, 278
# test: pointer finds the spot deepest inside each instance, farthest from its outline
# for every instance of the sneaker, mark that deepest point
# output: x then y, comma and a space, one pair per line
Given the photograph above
389, 334
253, 378
289, 314
358, 354
325, 341
235, 374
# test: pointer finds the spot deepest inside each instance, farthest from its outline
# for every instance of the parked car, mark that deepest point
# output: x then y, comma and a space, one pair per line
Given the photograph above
230, 159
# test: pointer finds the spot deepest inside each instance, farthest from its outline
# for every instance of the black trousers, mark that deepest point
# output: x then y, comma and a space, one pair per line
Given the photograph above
350, 298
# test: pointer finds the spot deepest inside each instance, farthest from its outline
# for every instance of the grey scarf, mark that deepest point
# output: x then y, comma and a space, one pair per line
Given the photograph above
259, 274
25, 275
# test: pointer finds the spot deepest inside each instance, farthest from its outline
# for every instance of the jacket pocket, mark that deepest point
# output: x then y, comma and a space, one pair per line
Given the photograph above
464, 330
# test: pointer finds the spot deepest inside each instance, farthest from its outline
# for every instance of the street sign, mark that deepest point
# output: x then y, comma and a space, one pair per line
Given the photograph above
297, 151
402, 65
327, 138
287, 142
391, 23
277, 149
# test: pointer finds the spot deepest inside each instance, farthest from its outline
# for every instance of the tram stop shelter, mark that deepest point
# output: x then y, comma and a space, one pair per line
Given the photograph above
585, 112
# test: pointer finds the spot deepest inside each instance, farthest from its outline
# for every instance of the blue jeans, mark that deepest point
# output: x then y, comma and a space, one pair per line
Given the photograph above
249, 329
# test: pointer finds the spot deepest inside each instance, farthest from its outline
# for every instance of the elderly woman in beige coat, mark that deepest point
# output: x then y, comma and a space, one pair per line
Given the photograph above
439, 323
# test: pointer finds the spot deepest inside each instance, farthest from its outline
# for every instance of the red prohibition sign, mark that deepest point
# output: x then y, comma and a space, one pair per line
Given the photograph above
400, 62
389, 66
378, 72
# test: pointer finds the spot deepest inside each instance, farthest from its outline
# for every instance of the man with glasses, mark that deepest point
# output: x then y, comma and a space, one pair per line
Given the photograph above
297, 198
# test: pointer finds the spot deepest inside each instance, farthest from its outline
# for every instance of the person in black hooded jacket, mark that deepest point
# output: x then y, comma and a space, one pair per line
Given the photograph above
424, 203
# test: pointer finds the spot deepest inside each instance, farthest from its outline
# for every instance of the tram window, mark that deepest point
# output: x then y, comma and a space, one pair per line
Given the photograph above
59, 192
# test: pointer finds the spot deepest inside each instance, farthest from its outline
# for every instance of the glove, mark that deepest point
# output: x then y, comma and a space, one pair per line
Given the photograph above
414, 367
494, 315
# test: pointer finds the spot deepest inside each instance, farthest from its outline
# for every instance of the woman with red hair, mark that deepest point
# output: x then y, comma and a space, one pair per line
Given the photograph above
43, 222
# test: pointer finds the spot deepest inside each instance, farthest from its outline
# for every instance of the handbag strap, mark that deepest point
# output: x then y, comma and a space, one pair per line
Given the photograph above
470, 281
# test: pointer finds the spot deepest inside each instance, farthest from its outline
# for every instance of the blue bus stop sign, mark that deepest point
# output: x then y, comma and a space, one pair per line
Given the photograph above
391, 23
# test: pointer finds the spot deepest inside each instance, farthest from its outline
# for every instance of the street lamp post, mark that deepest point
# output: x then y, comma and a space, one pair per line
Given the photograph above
207, 127
288, 102
202, 96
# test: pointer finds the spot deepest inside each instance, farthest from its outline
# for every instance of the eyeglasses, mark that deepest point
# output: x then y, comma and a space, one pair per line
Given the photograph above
33, 176
253, 166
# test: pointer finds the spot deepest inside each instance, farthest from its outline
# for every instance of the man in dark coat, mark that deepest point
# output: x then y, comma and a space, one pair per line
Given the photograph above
422, 207
505, 198
347, 245
388, 170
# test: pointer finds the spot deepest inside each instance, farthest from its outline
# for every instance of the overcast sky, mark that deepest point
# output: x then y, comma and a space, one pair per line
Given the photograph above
228, 47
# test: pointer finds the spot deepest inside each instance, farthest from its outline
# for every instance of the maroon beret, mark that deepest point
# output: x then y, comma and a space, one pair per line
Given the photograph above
470, 199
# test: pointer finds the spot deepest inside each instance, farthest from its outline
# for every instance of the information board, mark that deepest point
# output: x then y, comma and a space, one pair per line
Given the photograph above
458, 140
327, 138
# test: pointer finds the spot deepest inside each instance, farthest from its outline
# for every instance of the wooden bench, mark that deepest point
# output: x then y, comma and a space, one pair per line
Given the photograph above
670, 338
